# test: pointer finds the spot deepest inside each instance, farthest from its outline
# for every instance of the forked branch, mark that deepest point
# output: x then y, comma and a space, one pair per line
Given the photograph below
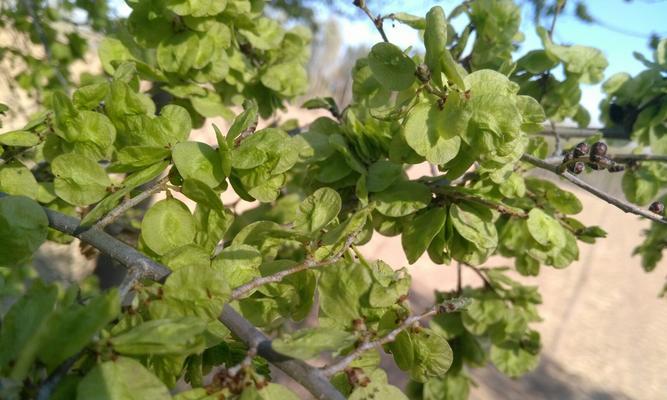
447, 306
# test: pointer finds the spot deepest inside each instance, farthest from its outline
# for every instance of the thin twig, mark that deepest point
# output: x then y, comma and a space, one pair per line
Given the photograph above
309, 263
459, 280
457, 195
30, 5
558, 146
447, 306
567, 132
620, 204
559, 5
131, 202
378, 21
618, 158
51, 382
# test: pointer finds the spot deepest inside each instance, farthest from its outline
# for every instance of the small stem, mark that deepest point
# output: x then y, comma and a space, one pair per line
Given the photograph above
558, 146
114, 214
447, 306
51, 382
459, 283
559, 6
377, 21
309, 263
456, 195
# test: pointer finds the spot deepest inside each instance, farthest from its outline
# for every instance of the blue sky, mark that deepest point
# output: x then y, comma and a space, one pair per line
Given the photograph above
640, 17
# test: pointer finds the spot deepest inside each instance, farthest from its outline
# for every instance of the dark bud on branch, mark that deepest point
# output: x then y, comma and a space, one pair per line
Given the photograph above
423, 73
657, 207
576, 168
598, 150
616, 168
581, 149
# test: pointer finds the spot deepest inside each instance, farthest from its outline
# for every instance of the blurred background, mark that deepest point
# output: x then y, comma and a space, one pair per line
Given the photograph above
604, 326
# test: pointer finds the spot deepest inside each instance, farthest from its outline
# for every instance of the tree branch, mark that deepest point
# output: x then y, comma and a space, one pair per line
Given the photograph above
622, 205
279, 276
377, 21
618, 158
129, 203
447, 306
309, 377
567, 132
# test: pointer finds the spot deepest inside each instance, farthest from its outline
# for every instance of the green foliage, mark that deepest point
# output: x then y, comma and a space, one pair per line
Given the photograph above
319, 194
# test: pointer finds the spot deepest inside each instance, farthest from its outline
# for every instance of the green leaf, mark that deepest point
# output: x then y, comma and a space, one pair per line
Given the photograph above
516, 358
378, 388
433, 356
177, 53
167, 225
473, 226
19, 139
17, 180
23, 228
382, 174
163, 336
640, 187
20, 336
211, 226
238, 263
341, 287
317, 210
135, 157
200, 193
412, 21
223, 151
72, 328
243, 121
435, 40
564, 201
272, 391
545, 229
79, 180
308, 343
402, 198
122, 379
586, 62
196, 160
418, 233
193, 290
247, 157
131, 182
196, 8
391, 67
432, 133
289, 79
